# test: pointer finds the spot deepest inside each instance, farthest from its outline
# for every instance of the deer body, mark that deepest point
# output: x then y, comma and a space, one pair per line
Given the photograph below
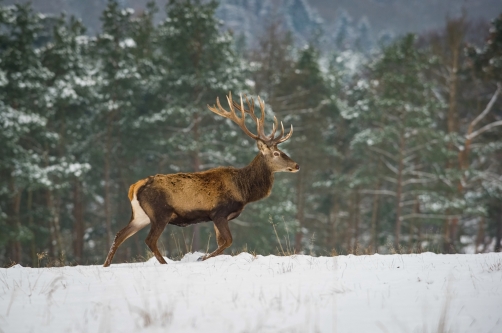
203, 196
217, 195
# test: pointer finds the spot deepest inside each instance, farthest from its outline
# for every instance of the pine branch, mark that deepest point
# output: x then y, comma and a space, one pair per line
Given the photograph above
391, 167
417, 181
484, 129
428, 216
383, 152
378, 192
486, 110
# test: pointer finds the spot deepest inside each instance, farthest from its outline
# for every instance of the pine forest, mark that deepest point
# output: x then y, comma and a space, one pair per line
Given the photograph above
399, 141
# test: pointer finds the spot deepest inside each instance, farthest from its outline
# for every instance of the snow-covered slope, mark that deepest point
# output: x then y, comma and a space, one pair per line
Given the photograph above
378, 293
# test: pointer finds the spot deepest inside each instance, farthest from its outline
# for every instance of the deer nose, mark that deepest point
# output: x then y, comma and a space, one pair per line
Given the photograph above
297, 166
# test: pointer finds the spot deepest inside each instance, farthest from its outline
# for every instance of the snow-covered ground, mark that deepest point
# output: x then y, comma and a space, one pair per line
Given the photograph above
379, 293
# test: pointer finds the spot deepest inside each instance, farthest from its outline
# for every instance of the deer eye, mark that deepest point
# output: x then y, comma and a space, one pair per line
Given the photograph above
276, 153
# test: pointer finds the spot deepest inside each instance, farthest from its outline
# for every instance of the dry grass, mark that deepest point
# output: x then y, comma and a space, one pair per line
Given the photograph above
493, 266
287, 249
183, 245
160, 315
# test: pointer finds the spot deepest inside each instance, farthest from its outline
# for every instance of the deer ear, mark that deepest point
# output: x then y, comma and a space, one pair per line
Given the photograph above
262, 146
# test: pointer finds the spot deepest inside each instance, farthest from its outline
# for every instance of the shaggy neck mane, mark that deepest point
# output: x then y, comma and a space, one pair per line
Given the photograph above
255, 179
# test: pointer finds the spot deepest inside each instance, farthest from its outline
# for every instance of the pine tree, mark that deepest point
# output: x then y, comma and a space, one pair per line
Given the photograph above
300, 98
71, 98
400, 128
26, 160
487, 65
119, 84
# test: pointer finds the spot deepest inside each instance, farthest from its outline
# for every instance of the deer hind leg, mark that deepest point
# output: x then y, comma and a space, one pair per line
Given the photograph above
138, 221
223, 237
156, 230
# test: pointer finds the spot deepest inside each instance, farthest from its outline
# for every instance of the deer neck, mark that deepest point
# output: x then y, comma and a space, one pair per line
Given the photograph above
256, 179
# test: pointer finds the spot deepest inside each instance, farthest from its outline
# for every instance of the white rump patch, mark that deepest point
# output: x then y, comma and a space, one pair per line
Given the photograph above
140, 220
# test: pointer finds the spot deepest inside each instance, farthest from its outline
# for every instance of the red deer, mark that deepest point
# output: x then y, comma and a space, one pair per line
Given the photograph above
217, 195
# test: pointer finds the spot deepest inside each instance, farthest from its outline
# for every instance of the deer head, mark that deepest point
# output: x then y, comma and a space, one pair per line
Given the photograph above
276, 160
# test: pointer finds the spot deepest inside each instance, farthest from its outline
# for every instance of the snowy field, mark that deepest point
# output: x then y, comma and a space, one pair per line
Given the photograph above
379, 293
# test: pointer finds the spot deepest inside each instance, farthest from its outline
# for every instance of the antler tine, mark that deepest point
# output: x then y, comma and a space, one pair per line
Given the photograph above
282, 132
242, 121
232, 115
274, 128
251, 107
241, 108
242, 105
281, 139
261, 124
259, 121
219, 110
261, 131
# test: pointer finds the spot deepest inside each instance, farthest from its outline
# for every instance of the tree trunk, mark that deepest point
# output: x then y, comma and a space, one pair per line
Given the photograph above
33, 248
453, 234
452, 128
300, 214
78, 216
412, 229
349, 234
498, 235
418, 226
450, 228
196, 167
480, 236
108, 217
446, 234
356, 220
455, 36
54, 225
374, 218
399, 191
15, 249
335, 208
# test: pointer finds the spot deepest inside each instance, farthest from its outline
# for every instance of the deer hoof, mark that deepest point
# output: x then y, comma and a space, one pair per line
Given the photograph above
201, 258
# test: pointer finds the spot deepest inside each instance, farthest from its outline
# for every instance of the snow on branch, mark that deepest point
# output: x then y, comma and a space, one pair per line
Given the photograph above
470, 135
383, 152
378, 192
420, 147
428, 216
423, 174
417, 181
391, 167
484, 129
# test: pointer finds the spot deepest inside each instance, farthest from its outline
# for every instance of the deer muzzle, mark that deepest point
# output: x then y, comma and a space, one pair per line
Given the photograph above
296, 168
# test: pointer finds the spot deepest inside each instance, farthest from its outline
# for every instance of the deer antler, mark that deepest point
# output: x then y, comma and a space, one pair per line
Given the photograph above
269, 140
219, 110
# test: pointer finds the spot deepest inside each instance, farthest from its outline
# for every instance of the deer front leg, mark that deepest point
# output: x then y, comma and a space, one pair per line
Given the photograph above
223, 237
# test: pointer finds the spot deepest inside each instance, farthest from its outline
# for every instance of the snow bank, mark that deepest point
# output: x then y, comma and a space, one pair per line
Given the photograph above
378, 293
